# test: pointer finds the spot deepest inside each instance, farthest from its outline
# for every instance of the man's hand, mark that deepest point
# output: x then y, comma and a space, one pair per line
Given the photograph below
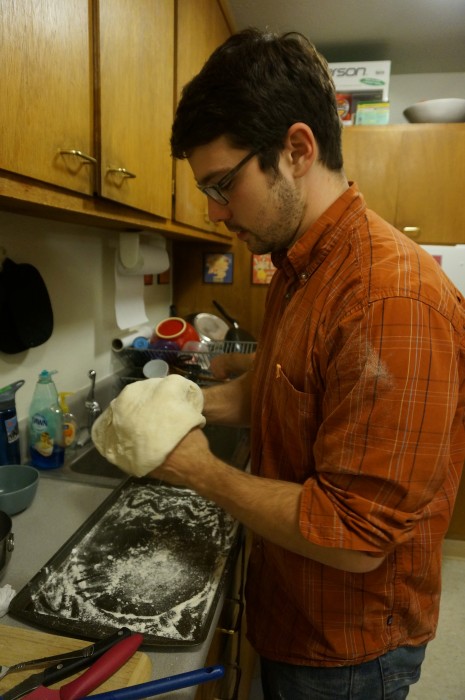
182, 463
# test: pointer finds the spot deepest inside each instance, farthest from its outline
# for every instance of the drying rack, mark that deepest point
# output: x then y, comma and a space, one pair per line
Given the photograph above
192, 364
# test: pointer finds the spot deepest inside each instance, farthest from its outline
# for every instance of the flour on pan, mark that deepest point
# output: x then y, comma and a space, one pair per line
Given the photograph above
153, 562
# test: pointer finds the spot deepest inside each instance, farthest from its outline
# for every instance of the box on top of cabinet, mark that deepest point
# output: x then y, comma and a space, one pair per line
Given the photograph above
359, 81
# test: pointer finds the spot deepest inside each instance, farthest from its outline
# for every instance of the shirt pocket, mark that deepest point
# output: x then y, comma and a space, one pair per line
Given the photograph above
294, 428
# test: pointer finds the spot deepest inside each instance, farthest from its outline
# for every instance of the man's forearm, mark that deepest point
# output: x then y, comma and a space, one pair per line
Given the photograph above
229, 403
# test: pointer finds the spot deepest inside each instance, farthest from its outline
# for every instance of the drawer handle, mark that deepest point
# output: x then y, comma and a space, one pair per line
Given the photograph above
412, 231
84, 156
121, 171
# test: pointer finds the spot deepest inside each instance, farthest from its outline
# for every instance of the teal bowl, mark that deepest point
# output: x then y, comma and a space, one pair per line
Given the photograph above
18, 486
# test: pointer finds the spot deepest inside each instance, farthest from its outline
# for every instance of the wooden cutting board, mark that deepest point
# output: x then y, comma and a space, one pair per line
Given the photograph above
22, 644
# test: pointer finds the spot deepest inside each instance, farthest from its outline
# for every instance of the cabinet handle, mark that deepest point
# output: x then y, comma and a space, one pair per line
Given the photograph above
72, 152
412, 231
235, 618
121, 171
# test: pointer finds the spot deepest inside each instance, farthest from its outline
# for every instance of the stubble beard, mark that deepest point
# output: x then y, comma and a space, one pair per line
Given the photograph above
283, 229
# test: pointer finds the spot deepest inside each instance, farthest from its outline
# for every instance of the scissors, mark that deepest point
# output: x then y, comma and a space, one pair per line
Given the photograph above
100, 670
66, 665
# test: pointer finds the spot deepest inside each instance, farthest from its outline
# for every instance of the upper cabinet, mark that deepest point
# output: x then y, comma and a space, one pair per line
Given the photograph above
46, 107
86, 106
413, 175
201, 28
135, 48
58, 129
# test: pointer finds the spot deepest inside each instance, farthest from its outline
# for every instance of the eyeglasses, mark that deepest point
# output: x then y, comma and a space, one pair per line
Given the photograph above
216, 192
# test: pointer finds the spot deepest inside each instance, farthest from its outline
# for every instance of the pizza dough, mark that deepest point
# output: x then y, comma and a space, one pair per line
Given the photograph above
146, 421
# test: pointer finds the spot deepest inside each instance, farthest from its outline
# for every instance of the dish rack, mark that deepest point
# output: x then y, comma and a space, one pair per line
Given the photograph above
194, 365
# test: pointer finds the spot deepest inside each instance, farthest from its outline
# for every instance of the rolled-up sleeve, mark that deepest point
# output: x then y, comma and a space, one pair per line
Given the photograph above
382, 453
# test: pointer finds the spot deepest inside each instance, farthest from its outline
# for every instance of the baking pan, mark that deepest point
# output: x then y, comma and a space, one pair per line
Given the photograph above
152, 557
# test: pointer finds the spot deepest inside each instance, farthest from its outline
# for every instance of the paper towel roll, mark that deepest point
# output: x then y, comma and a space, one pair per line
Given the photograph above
122, 342
129, 281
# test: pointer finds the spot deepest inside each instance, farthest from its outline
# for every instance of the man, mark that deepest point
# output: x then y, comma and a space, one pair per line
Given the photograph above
356, 397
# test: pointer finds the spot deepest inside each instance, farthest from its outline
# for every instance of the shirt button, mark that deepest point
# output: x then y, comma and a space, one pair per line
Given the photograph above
303, 275
287, 295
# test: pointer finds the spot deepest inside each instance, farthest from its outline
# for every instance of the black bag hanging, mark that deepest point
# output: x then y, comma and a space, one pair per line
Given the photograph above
26, 315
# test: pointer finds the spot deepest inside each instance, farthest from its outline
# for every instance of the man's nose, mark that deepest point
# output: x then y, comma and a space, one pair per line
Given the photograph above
217, 212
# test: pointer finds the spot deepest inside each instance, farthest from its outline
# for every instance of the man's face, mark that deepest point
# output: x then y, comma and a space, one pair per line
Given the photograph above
264, 209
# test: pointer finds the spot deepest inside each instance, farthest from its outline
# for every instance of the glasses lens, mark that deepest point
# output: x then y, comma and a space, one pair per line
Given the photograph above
214, 192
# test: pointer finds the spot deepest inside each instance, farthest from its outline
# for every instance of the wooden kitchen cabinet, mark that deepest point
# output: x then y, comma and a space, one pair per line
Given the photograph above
57, 49
136, 90
96, 78
46, 92
229, 646
193, 49
371, 158
413, 175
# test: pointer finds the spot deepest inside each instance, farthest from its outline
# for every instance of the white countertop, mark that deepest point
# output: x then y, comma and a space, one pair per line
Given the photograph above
59, 508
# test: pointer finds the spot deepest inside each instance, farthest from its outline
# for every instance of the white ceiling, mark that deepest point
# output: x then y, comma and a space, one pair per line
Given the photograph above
418, 36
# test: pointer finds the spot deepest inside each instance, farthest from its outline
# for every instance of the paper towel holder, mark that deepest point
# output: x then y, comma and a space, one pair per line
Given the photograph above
129, 249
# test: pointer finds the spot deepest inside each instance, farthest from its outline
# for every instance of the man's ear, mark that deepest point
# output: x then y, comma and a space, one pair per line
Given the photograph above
302, 148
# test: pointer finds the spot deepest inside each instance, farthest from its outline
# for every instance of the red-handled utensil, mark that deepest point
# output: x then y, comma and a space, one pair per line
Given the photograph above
100, 671
91, 650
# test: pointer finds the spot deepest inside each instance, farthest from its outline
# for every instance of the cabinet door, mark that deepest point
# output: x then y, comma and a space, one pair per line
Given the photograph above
371, 159
136, 72
46, 91
413, 176
431, 195
201, 28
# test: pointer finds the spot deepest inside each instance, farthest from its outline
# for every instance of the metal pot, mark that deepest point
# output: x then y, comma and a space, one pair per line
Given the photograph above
234, 334
6, 540
210, 328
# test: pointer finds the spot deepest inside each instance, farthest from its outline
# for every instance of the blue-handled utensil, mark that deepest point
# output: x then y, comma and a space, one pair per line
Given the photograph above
163, 685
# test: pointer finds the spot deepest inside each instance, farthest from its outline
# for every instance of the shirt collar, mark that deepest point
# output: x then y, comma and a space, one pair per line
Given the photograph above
314, 245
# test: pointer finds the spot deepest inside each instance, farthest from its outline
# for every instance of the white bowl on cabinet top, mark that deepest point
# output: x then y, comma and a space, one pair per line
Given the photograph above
444, 110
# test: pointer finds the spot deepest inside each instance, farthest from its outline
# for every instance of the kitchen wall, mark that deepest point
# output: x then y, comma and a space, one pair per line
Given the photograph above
405, 90
77, 265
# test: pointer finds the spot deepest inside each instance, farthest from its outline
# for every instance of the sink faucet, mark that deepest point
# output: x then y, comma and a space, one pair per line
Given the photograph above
93, 410
92, 406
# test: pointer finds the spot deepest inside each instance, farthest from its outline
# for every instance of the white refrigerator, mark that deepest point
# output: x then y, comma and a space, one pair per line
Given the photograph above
452, 260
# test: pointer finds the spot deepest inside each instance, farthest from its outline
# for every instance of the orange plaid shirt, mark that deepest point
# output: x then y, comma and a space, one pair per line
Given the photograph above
359, 395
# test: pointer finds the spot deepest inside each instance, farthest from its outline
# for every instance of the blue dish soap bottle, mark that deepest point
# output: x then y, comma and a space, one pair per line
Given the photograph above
9, 430
46, 425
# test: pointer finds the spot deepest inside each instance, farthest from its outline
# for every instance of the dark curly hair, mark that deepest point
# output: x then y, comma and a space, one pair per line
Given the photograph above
251, 90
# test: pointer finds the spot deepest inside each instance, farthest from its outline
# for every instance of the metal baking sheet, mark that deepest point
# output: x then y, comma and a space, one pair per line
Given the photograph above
152, 557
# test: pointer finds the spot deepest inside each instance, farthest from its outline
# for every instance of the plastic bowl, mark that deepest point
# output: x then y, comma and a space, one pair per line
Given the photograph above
18, 486
445, 110
175, 329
